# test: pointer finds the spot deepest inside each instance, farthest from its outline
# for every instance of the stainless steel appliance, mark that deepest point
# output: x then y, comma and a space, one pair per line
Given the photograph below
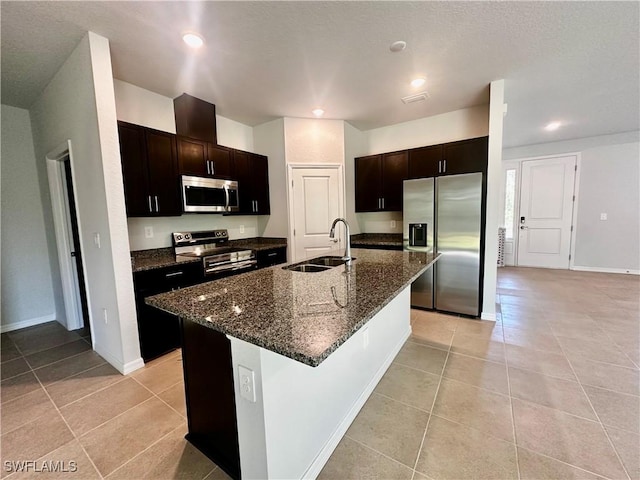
211, 246
207, 195
453, 206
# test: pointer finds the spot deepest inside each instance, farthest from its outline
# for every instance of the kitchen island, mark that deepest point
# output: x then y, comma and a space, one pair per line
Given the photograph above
278, 363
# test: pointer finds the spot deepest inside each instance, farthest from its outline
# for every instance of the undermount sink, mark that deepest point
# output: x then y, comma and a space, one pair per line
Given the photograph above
327, 261
306, 267
319, 264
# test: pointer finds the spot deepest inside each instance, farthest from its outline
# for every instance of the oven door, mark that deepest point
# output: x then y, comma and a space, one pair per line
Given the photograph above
206, 195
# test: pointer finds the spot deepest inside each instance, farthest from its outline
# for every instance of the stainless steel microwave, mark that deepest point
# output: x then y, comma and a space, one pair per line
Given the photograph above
209, 195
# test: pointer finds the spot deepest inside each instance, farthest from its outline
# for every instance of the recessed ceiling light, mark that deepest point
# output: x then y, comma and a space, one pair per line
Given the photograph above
398, 46
552, 126
418, 82
318, 112
193, 40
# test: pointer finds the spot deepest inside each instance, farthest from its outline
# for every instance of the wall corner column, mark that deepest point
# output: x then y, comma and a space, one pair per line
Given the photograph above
496, 121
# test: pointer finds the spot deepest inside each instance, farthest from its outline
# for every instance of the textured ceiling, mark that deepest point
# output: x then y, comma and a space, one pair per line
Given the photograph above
576, 62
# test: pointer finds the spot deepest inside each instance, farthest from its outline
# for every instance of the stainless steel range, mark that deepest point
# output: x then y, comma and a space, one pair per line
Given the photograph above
212, 246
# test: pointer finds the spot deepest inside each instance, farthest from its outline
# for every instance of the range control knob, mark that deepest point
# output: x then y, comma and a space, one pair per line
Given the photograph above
178, 237
187, 236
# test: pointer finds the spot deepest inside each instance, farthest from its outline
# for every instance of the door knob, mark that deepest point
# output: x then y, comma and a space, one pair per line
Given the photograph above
522, 227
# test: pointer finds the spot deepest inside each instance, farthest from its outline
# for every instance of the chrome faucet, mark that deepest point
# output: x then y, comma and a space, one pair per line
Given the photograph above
347, 250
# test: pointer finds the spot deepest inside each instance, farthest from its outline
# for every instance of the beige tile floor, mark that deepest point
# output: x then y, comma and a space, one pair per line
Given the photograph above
550, 391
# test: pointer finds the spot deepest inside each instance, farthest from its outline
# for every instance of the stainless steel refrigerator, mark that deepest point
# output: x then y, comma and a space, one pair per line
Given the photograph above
451, 206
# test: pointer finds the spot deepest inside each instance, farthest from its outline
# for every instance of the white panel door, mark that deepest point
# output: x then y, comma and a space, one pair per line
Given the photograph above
317, 201
546, 210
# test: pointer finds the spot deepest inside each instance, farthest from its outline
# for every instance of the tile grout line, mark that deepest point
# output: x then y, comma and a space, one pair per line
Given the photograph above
158, 397
564, 463
435, 397
62, 360
615, 450
377, 451
513, 417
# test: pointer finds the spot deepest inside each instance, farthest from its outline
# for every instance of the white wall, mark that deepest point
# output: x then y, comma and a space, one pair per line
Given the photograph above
78, 104
494, 187
268, 139
355, 145
27, 296
143, 107
609, 182
448, 127
163, 227
314, 141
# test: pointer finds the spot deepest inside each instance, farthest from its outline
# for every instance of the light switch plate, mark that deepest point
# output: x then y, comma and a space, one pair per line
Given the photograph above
247, 383
148, 232
393, 224
603, 216
241, 228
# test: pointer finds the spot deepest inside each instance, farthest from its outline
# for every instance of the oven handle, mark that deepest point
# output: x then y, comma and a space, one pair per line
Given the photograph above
231, 266
226, 198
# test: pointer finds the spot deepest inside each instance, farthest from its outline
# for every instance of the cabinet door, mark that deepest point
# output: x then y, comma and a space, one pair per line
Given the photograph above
467, 156
192, 157
260, 169
424, 161
368, 191
274, 256
221, 165
134, 169
163, 173
395, 170
245, 182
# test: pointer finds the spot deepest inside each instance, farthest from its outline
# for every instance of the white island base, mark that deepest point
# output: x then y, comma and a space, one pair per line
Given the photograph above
301, 413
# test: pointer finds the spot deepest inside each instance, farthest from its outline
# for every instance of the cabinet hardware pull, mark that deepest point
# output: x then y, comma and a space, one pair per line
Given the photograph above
208, 171
174, 274
256, 206
272, 254
157, 208
383, 203
444, 169
149, 199
213, 172
439, 168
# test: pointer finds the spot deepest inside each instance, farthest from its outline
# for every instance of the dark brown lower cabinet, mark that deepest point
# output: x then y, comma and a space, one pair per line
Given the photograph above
159, 331
271, 257
210, 397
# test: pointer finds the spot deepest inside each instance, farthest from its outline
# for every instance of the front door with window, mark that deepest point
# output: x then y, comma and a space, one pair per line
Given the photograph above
546, 210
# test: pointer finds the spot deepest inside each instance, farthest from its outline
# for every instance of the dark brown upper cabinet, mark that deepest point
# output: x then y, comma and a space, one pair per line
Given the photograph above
425, 161
204, 159
195, 118
252, 174
466, 156
149, 169
379, 181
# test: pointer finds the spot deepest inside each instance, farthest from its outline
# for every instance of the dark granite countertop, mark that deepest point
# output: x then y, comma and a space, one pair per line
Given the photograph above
377, 239
164, 257
303, 316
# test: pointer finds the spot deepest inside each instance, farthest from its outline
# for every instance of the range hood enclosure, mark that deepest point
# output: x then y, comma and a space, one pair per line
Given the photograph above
195, 118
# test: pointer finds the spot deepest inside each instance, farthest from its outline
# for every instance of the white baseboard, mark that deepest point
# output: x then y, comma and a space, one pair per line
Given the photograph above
318, 464
123, 368
9, 327
605, 270
488, 316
